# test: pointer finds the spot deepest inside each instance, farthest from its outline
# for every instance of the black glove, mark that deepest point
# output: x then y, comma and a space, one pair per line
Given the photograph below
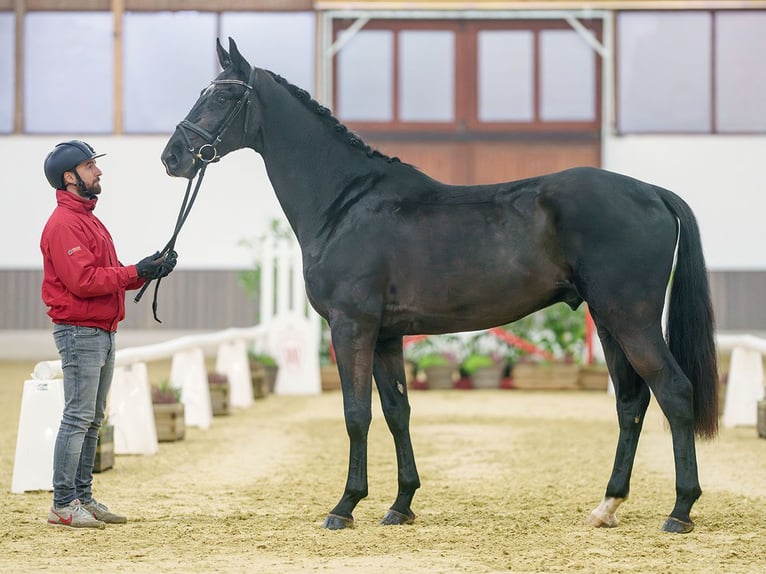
149, 267
168, 264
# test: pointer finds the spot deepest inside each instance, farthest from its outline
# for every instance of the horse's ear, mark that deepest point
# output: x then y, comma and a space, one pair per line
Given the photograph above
238, 59
223, 55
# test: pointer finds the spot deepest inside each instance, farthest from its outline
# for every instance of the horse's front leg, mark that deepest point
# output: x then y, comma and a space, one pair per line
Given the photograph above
388, 368
353, 350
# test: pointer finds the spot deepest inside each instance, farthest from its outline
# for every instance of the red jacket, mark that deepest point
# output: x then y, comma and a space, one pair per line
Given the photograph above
83, 282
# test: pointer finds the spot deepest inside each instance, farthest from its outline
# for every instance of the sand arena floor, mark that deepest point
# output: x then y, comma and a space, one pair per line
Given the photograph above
508, 478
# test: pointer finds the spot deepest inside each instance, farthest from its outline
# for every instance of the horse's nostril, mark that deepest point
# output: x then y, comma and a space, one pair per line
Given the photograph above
171, 160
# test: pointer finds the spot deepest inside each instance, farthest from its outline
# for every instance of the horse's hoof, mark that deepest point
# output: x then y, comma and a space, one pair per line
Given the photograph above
602, 520
677, 526
396, 517
335, 522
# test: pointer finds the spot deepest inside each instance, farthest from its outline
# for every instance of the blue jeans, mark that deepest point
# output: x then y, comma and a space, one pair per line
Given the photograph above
87, 358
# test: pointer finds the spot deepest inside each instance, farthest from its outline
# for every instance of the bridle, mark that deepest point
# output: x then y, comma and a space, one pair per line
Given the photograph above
206, 153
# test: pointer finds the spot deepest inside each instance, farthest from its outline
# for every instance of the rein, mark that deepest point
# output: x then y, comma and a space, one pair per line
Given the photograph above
206, 153
186, 206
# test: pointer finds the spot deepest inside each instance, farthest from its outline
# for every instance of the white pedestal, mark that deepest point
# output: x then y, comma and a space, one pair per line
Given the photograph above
232, 361
42, 406
292, 342
744, 388
188, 373
131, 412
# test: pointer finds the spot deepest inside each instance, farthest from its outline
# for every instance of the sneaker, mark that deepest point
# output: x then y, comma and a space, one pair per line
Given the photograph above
102, 513
74, 516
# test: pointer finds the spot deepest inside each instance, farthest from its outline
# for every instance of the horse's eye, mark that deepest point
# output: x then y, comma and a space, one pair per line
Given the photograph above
220, 99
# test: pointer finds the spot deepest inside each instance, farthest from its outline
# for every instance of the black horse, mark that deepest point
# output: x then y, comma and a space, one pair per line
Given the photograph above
388, 251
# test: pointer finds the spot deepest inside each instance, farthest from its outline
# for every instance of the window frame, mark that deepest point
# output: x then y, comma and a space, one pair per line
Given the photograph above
466, 96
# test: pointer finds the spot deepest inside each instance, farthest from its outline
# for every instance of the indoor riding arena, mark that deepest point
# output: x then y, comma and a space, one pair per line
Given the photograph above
461, 286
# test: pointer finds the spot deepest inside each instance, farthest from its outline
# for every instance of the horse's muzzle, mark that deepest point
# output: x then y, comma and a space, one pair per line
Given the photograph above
177, 159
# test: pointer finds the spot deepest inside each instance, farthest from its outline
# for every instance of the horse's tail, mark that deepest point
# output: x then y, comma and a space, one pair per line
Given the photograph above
690, 329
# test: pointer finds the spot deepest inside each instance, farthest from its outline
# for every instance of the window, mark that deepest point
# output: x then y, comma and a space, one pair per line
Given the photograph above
168, 59
427, 75
740, 86
7, 79
506, 75
282, 42
664, 72
567, 77
68, 86
365, 77
472, 76
691, 72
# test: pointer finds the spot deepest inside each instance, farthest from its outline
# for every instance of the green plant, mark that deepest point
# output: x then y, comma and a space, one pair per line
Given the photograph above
474, 362
165, 394
250, 279
556, 329
432, 360
264, 359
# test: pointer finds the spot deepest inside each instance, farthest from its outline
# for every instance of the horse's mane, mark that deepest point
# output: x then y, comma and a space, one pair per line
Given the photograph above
311, 104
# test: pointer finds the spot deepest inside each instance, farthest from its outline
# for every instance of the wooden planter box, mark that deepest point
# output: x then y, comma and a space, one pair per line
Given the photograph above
330, 377
546, 376
220, 393
263, 378
440, 377
105, 449
487, 377
594, 377
762, 418
169, 421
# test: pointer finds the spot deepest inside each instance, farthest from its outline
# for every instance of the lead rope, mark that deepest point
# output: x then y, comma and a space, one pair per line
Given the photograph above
186, 206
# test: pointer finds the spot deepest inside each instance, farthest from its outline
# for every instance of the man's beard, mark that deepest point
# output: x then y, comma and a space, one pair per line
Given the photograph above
94, 188
90, 191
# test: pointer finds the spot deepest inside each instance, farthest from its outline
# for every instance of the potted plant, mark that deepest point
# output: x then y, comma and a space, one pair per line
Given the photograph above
560, 333
218, 384
104, 448
168, 412
263, 373
485, 360
435, 360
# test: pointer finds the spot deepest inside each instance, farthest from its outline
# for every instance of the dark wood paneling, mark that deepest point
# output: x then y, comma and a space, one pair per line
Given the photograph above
476, 162
210, 299
739, 300
188, 299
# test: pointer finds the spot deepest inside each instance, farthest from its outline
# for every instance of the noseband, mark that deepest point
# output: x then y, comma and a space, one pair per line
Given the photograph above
208, 152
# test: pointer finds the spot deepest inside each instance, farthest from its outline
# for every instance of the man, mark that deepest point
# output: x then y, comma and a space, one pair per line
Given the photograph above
84, 288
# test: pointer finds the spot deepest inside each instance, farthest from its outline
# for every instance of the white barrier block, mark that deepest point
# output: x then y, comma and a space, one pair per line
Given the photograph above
131, 412
292, 342
232, 361
42, 406
189, 373
744, 388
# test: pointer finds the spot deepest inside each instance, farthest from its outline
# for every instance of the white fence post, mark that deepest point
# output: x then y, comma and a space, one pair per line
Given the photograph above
42, 404
131, 412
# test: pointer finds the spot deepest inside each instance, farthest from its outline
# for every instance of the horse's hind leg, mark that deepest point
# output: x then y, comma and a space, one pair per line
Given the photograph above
632, 401
388, 369
650, 357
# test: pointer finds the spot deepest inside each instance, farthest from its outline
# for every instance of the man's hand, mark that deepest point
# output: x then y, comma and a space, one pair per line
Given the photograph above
168, 264
150, 267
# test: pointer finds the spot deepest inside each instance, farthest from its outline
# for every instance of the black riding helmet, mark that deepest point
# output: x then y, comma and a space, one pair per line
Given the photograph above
65, 157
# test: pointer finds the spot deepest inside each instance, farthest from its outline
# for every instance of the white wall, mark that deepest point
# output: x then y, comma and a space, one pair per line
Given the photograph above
721, 177
139, 203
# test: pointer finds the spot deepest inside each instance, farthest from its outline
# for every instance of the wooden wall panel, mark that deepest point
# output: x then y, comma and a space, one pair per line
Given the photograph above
444, 161
213, 299
492, 162
189, 299
476, 162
